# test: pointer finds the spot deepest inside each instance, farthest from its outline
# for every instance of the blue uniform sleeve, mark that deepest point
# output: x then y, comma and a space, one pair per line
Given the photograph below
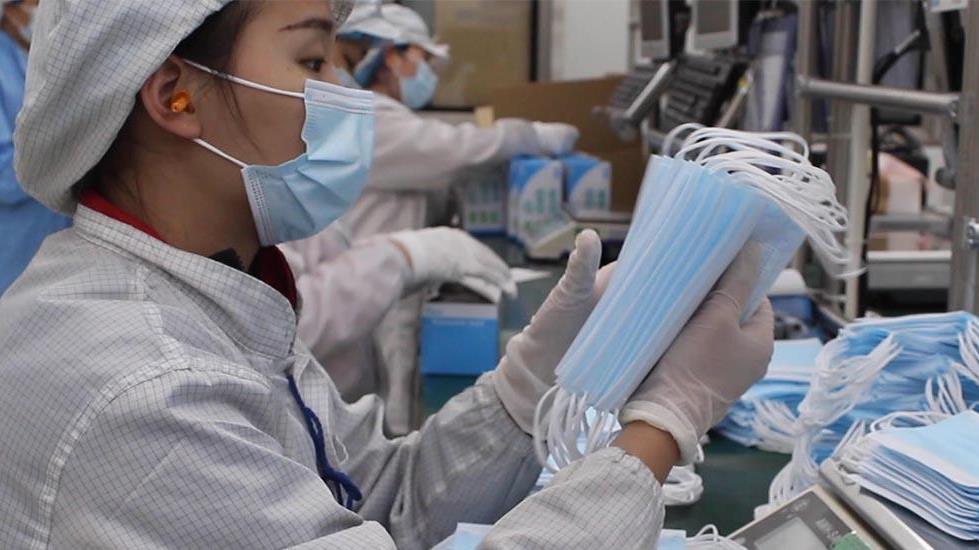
12, 66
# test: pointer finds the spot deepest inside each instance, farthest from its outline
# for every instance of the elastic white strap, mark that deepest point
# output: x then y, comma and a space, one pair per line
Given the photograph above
243, 82
219, 152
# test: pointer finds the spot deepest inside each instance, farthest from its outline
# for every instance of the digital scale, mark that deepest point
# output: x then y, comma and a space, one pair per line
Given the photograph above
838, 515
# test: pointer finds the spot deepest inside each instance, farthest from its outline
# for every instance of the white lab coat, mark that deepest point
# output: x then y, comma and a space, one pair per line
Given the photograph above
346, 289
415, 156
144, 403
415, 159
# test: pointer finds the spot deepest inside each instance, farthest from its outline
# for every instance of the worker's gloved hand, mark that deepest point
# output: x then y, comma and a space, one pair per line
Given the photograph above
527, 369
712, 362
445, 254
556, 138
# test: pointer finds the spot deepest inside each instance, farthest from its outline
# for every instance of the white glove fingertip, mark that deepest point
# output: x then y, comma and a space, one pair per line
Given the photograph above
587, 249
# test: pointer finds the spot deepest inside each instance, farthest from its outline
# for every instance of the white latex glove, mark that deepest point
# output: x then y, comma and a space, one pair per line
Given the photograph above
556, 138
527, 369
712, 362
445, 254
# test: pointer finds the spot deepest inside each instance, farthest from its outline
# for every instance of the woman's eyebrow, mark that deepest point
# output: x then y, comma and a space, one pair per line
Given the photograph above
326, 25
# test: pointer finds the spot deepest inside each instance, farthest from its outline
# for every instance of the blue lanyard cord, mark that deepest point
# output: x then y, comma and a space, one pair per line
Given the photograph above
338, 482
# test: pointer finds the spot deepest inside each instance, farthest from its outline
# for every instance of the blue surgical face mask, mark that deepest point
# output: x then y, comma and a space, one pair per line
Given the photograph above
346, 79
930, 470
299, 198
418, 90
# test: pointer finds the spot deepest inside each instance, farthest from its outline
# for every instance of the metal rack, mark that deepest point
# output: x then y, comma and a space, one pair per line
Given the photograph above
851, 97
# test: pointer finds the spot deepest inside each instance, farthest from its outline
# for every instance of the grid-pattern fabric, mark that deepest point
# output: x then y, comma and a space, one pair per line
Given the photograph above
368, 278
88, 60
143, 404
611, 499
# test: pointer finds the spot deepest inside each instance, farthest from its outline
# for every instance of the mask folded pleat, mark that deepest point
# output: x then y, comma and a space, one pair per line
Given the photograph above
925, 463
695, 212
299, 198
915, 366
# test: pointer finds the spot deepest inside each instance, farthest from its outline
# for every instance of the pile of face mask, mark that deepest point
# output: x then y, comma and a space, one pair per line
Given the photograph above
931, 469
468, 536
766, 413
876, 367
696, 211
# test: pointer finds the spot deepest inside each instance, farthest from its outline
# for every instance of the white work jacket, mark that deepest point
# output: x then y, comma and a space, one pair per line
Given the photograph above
416, 156
346, 290
144, 403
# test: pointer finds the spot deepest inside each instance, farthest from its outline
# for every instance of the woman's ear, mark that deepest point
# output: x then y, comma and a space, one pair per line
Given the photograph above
394, 61
167, 100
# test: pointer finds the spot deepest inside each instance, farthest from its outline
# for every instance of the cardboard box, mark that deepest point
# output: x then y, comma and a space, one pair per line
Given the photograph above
490, 47
573, 102
482, 195
460, 334
534, 196
587, 185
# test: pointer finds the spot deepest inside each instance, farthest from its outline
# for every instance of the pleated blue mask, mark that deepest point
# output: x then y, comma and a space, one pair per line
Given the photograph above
299, 198
418, 90
931, 470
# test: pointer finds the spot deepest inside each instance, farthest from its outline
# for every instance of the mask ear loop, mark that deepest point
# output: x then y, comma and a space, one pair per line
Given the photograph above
219, 152
774, 138
242, 81
824, 212
540, 448
236, 80
798, 167
708, 147
674, 133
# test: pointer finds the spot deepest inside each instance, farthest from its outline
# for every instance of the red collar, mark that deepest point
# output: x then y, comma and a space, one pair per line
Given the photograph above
94, 200
269, 266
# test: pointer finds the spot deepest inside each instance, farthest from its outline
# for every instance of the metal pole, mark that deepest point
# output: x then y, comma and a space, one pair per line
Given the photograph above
545, 40
858, 182
914, 101
838, 139
804, 61
802, 108
962, 293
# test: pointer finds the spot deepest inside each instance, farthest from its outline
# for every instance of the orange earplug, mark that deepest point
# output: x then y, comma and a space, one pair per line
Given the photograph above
180, 102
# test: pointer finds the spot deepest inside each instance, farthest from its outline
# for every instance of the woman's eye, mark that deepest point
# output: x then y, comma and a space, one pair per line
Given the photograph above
314, 64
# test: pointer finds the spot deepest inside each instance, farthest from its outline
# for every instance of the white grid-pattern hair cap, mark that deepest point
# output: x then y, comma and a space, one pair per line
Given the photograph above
88, 60
366, 19
413, 29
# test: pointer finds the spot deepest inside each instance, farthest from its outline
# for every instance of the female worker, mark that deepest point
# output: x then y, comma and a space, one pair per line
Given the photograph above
152, 390
24, 222
415, 160
416, 156
368, 276
348, 287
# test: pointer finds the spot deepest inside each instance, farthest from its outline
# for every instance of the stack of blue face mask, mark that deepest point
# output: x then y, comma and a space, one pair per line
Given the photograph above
931, 470
876, 367
692, 218
766, 413
468, 536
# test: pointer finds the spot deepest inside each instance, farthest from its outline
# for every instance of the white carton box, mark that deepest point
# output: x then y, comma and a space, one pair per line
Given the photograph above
534, 196
587, 185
